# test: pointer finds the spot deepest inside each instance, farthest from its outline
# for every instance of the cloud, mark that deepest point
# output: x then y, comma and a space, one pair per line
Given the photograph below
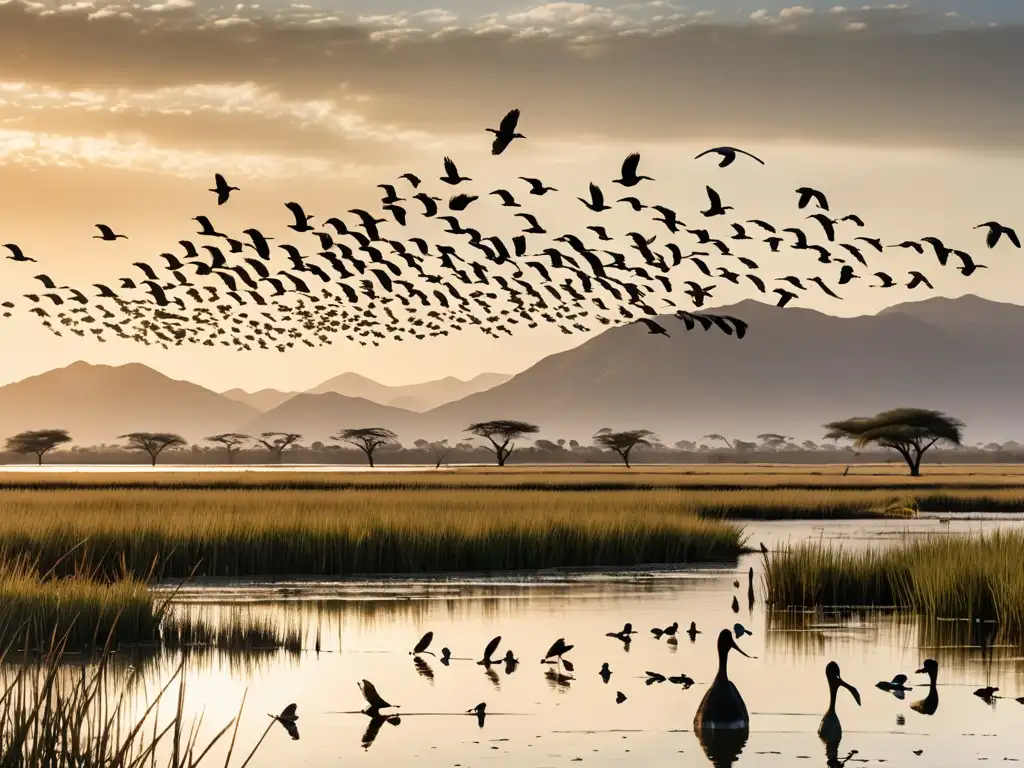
886, 74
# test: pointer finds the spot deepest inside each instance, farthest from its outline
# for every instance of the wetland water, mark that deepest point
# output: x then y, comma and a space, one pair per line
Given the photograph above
368, 627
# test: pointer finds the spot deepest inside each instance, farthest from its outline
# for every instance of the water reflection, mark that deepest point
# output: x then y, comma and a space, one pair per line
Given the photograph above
363, 630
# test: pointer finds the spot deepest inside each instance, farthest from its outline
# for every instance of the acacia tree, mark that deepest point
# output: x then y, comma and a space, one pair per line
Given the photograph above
40, 442
368, 439
231, 441
501, 433
716, 436
773, 441
153, 443
908, 431
440, 449
276, 442
623, 443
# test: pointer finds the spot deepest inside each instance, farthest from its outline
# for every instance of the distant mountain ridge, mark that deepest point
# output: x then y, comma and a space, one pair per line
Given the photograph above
796, 369
415, 397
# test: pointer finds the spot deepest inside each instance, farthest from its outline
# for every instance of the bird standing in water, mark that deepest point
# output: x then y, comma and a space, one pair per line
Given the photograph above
930, 703
722, 707
831, 730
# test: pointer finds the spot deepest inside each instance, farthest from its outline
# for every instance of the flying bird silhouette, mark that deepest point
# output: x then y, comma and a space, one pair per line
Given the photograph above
506, 132
728, 154
222, 189
628, 171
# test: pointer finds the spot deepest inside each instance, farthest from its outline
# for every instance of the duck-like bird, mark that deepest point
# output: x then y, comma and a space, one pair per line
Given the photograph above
722, 707
375, 703
930, 703
831, 729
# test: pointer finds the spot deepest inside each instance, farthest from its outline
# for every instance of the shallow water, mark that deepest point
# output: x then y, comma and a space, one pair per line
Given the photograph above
368, 627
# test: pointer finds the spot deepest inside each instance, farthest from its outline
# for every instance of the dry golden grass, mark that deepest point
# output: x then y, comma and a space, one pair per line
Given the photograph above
236, 533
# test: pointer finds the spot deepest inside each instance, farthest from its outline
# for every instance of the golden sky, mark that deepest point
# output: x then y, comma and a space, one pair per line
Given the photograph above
122, 112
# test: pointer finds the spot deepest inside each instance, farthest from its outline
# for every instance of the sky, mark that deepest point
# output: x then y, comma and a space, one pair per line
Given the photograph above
121, 112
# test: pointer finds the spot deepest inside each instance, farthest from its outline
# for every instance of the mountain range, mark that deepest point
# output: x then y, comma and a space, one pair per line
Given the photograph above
412, 397
794, 370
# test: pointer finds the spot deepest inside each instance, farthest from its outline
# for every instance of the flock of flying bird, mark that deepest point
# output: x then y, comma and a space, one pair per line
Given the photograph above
364, 279
721, 710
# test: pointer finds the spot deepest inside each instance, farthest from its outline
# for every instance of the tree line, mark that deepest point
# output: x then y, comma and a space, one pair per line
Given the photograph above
909, 432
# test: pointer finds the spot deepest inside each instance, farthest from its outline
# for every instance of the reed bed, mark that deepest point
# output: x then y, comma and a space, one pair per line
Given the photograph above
580, 478
38, 610
55, 717
969, 578
246, 533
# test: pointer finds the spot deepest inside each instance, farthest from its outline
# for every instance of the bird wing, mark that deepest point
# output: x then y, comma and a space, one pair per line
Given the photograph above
509, 121
596, 195
740, 325
714, 198
491, 647
1012, 234
630, 164
755, 157
424, 643
289, 712
370, 694
450, 169
899, 679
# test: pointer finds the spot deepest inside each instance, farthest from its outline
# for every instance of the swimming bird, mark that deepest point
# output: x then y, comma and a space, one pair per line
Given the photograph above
489, 652
424, 643
446, 655
986, 694
619, 697
735, 604
693, 631
667, 631
106, 233
716, 208
623, 634
605, 672
740, 630
451, 173
896, 685
628, 173
222, 189
653, 327
511, 662
722, 707
728, 155
996, 231
830, 728
807, 195
480, 710
375, 702
506, 132
930, 703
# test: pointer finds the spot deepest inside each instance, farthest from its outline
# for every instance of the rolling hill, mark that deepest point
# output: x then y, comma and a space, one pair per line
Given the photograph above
96, 403
318, 417
263, 400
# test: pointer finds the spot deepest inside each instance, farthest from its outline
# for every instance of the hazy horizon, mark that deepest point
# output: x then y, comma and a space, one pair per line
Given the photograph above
121, 113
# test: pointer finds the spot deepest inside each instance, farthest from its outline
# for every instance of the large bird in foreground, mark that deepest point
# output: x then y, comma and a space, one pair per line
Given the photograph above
506, 132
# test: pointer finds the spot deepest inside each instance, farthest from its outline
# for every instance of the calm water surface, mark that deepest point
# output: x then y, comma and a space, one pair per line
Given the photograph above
368, 628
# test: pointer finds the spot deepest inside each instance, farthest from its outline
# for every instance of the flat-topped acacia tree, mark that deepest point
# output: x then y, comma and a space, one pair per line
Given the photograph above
230, 441
39, 441
623, 443
153, 443
367, 439
276, 442
908, 431
501, 433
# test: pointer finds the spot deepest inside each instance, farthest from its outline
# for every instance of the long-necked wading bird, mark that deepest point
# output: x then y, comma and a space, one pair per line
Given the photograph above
505, 132
222, 189
830, 728
728, 154
722, 707
930, 703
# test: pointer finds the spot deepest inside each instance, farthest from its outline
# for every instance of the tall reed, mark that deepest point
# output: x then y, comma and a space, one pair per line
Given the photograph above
971, 577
